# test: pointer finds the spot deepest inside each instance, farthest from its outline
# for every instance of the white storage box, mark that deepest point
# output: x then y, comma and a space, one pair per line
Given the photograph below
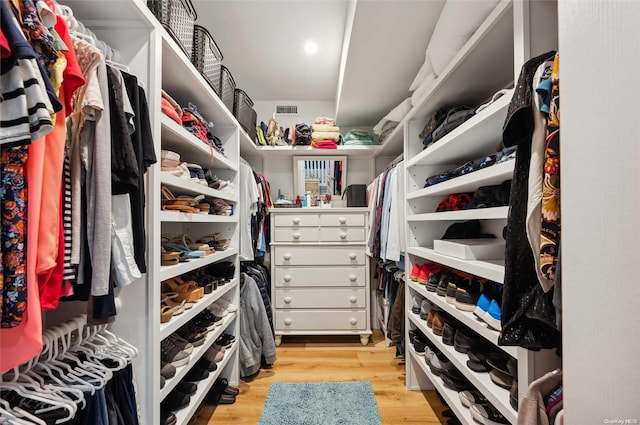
471, 249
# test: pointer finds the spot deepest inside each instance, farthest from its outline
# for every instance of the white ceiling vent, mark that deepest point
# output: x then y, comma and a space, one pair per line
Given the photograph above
287, 109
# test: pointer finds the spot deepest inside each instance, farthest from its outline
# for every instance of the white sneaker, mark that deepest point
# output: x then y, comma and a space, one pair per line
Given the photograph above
217, 310
226, 304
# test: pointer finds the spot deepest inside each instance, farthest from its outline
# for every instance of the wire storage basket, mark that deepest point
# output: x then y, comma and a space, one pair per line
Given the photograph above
178, 18
242, 109
252, 126
227, 87
206, 56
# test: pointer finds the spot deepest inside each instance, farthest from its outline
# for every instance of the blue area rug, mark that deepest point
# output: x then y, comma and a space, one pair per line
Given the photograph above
322, 403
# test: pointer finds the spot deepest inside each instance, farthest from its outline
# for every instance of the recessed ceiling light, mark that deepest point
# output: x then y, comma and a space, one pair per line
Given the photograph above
310, 47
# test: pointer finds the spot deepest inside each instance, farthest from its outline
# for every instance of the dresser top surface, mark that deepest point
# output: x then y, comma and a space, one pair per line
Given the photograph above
317, 210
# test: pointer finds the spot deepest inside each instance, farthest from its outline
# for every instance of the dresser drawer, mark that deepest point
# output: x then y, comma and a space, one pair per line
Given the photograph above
289, 220
321, 298
318, 255
319, 276
301, 234
341, 234
320, 320
342, 220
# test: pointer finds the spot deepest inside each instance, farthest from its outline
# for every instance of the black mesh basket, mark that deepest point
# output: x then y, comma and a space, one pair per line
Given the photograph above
177, 17
252, 126
206, 56
227, 87
242, 109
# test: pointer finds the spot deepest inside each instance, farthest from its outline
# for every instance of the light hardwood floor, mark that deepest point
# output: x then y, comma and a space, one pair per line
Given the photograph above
313, 359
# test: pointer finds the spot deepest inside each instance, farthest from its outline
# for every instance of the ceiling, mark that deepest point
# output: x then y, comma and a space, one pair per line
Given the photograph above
368, 50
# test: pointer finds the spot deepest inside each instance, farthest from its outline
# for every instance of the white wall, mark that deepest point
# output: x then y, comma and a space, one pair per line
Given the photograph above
600, 203
279, 173
308, 111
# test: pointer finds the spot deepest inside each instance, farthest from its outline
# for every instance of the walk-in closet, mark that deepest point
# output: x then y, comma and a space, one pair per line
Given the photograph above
318, 212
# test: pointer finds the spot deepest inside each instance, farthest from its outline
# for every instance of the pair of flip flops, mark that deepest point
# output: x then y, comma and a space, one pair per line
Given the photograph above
183, 203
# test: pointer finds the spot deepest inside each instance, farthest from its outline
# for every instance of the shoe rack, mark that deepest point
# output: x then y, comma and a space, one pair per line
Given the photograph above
496, 52
149, 52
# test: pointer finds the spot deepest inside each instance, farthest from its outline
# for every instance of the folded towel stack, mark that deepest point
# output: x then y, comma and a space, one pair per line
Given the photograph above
358, 137
325, 134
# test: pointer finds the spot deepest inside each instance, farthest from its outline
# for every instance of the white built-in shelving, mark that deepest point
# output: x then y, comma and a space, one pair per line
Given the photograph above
495, 52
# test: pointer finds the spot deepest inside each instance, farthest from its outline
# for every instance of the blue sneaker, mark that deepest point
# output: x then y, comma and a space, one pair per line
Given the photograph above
483, 305
493, 316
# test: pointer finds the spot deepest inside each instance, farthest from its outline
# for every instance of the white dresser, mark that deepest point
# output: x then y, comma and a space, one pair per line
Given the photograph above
320, 272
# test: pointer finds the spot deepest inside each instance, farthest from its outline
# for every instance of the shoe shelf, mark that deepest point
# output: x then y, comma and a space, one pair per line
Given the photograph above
177, 322
180, 217
191, 149
492, 175
167, 272
183, 416
495, 213
451, 396
198, 352
489, 269
466, 318
192, 187
496, 395
472, 139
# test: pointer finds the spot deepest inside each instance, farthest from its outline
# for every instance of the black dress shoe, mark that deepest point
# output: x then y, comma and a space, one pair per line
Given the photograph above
167, 417
206, 364
176, 401
197, 373
187, 388
448, 334
463, 342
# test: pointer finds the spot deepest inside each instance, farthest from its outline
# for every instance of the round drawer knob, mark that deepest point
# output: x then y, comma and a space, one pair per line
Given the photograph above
296, 236
353, 321
342, 220
288, 321
353, 256
343, 235
353, 277
287, 256
296, 220
353, 300
287, 278
287, 300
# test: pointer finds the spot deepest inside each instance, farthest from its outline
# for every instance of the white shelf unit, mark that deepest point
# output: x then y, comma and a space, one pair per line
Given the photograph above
497, 396
496, 50
480, 214
167, 272
489, 269
177, 322
466, 318
181, 217
196, 355
155, 58
469, 182
184, 416
450, 396
287, 151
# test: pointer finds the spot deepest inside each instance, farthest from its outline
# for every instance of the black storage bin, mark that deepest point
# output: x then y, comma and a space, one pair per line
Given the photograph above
206, 56
252, 127
177, 17
227, 87
242, 107
356, 195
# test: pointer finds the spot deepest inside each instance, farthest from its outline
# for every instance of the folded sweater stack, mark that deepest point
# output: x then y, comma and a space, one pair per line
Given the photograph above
325, 134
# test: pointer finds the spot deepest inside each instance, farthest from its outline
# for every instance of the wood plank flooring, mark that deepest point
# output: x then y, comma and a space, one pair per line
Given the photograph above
314, 359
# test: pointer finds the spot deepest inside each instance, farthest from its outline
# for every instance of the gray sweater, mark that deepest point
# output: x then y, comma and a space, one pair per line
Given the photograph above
256, 338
